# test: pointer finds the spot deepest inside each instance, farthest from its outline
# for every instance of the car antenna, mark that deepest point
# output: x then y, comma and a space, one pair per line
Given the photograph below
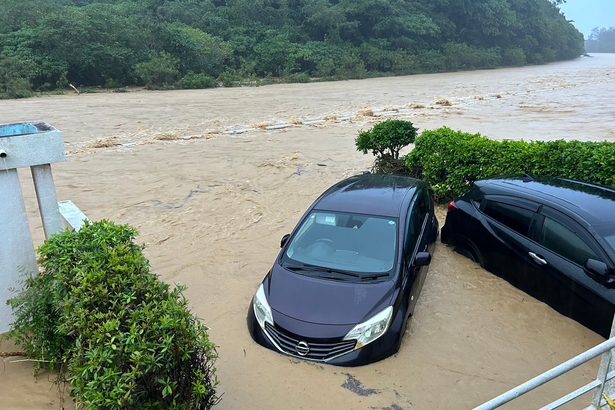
528, 178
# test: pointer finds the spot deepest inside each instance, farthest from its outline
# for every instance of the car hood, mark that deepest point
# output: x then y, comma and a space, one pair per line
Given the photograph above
325, 301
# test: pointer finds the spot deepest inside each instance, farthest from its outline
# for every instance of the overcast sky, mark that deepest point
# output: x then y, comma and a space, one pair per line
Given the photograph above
588, 14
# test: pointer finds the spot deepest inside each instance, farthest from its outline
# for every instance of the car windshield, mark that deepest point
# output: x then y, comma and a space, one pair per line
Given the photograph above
338, 244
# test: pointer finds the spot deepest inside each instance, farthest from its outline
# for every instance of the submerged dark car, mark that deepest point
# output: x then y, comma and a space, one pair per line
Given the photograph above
349, 275
552, 238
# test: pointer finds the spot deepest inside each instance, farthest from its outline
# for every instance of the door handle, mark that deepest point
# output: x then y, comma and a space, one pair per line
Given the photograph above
537, 259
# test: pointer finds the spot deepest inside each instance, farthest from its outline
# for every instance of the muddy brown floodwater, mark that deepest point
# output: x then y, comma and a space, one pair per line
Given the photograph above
212, 200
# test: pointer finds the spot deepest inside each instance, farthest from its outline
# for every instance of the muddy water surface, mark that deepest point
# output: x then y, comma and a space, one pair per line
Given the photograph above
211, 208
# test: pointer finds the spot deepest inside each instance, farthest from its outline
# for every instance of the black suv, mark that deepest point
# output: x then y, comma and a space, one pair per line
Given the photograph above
552, 238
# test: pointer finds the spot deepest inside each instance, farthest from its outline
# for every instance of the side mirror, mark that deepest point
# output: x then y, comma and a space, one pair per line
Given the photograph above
284, 240
422, 259
600, 272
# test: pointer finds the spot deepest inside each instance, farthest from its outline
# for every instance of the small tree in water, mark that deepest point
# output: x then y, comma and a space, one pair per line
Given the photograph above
385, 140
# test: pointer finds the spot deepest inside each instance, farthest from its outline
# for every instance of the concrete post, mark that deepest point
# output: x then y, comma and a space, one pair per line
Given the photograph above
47, 199
36, 145
17, 257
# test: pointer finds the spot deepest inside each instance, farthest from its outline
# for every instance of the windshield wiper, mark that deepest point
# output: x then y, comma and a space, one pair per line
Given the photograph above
313, 268
374, 276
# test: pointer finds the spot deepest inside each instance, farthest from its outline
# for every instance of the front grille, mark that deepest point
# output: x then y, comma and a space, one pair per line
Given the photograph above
318, 350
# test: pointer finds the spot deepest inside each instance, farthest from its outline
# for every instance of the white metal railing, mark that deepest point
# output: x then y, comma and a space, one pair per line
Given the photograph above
73, 217
604, 375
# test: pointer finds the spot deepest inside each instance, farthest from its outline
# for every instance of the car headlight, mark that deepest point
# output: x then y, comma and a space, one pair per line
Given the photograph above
371, 329
262, 310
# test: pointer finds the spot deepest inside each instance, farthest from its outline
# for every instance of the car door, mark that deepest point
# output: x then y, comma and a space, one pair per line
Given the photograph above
508, 222
417, 240
558, 251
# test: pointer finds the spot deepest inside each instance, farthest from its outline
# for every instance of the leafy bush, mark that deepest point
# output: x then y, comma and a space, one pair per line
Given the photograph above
196, 50
160, 71
452, 160
16, 88
192, 81
514, 56
463, 56
386, 139
14, 78
298, 78
230, 79
118, 335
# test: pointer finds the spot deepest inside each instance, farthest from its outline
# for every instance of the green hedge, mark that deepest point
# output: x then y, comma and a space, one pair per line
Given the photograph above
450, 161
119, 336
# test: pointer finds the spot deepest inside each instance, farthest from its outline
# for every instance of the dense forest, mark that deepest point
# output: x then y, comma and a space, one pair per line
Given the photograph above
601, 40
47, 44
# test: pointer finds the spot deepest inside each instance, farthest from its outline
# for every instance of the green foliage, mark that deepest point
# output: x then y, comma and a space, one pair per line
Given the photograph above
462, 56
120, 337
14, 78
450, 161
298, 78
196, 50
386, 139
230, 79
196, 81
160, 71
514, 57
124, 42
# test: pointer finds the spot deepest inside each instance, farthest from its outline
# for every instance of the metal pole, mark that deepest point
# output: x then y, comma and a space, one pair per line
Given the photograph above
47, 199
605, 368
547, 376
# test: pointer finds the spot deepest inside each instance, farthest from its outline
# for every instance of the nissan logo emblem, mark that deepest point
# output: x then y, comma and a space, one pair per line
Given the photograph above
302, 348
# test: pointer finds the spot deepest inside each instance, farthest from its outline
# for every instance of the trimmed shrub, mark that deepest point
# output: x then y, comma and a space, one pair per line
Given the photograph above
118, 335
386, 139
452, 160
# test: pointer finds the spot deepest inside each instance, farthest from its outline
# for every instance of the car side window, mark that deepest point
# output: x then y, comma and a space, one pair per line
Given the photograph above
563, 241
419, 214
414, 222
516, 218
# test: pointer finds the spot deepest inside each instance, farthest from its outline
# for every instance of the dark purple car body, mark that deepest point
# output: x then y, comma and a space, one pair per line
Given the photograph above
348, 277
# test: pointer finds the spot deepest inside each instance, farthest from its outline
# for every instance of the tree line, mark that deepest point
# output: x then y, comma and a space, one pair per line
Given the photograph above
47, 44
601, 40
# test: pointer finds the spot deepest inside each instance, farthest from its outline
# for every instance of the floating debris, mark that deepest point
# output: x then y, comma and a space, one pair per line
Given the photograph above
278, 126
240, 131
386, 114
314, 122
444, 102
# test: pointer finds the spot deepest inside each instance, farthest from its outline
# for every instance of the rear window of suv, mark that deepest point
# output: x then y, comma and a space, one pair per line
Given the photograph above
516, 218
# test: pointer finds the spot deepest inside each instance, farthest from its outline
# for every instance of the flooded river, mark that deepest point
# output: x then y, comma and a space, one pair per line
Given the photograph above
212, 188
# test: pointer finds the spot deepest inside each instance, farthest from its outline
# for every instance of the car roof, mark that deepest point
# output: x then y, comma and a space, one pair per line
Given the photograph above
372, 194
593, 203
